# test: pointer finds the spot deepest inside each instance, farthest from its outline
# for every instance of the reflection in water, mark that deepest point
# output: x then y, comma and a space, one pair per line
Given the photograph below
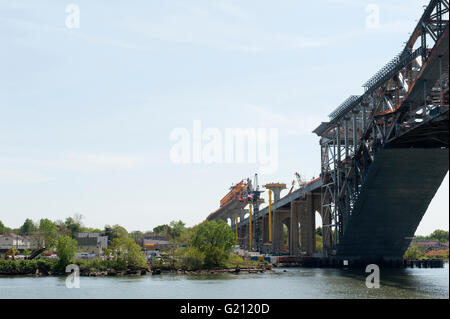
282, 283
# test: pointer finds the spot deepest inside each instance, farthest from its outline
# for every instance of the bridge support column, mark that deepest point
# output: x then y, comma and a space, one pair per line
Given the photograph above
266, 246
276, 188
241, 239
266, 229
308, 225
327, 239
277, 233
293, 233
260, 235
244, 237
233, 222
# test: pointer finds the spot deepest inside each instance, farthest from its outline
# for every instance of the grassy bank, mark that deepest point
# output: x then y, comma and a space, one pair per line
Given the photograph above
183, 264
96, 267
27, 267
45, 267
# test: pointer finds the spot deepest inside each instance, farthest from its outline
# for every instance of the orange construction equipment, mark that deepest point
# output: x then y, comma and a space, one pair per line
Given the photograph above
292, 187
239, 192
11, 252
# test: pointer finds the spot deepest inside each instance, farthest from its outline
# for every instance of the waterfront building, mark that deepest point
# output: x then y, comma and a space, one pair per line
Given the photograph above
19, 242
92, 243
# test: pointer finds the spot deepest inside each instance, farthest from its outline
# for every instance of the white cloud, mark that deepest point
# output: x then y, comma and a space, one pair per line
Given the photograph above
288, 124
21, 176
28, 25
31, 170
230, 9
200, 27
100, 162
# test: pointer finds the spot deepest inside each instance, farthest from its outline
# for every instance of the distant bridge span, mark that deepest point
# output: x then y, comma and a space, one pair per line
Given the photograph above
384, 155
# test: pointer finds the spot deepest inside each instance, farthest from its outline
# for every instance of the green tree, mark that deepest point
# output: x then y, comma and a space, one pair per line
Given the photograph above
441, 235
137, 236
185, 237
28, 227
414, 252
193, 258
115, 232
73, 225
176, 229
128, 254
319, 231
162, 229
62, 229
319, 243
2, 228
66, 248
215, 240
48, 231
90, 230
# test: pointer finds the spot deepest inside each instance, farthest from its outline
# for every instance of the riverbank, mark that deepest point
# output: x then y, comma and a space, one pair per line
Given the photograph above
99, 268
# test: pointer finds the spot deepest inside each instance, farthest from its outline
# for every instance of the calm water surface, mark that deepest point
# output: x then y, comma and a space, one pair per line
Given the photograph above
283, 283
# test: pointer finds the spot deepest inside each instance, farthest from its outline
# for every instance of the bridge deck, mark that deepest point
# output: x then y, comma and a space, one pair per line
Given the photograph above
286, 200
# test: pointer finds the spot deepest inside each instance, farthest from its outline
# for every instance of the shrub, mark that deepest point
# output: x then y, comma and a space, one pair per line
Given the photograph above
22, 267
193, 258
66, 247
127, 254
215, 240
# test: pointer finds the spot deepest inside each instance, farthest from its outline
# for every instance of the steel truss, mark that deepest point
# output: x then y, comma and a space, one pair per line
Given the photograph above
360, 126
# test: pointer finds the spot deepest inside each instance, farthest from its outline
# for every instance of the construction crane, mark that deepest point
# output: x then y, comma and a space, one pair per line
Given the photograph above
36, 253
292, 187
300, 181
238, 191
254, 200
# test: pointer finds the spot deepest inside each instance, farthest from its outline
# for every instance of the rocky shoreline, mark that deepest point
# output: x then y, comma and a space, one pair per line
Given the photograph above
146, 272
213, 271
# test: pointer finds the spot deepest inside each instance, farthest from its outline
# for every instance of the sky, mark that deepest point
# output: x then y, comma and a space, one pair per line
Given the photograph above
90, 99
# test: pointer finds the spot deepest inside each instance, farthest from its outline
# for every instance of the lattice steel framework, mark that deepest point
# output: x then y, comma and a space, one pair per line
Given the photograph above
388, 109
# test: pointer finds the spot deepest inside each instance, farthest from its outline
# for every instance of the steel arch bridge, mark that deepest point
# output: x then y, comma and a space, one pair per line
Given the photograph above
384, 154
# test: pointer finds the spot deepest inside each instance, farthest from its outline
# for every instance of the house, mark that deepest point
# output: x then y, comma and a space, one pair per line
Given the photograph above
427, 244
157, 243
93, 243
153, 245
17, 241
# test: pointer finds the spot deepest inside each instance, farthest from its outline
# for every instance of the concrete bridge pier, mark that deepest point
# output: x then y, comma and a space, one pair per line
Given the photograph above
279, 217
243, 231
295, 213
243, 237
307, 225
298, 217
276, 189
300, 222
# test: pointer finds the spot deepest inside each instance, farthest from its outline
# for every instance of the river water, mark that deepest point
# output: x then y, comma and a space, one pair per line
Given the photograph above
283, 283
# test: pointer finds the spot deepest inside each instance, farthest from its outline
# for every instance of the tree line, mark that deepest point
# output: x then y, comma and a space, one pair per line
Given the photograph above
206, 245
